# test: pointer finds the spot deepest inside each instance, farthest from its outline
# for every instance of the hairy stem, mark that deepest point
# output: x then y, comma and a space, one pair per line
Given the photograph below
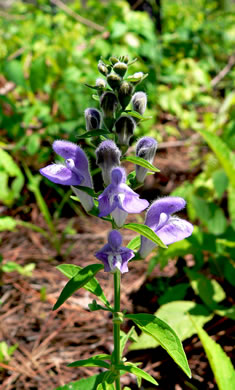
116, 326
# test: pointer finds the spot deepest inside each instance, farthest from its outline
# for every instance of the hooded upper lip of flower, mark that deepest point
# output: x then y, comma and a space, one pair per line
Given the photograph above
76, 169
119, 195
168, 227
113, 255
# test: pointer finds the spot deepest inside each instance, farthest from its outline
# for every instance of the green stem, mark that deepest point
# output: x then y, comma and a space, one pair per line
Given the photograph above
116, 326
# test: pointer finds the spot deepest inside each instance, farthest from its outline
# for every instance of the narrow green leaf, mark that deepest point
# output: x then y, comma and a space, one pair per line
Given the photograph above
125, 337
175, 314
137, 115
222, 152
138, 372
142, 162
165, 335
91, 362
146, 232
134, 243
93, 133
79, 280
90, 383
93, 286
220, 363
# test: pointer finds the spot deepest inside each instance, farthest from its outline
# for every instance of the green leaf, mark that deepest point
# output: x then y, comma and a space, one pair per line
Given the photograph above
90, 383
146, 232
134, 243
231, 202
91, 362
222, 152
226, 312
220, 182
209, 290
7, 223
38, 73
137, 371
93, 133
137, 115
220, 363
79, 280
142, 162
14, 72
175, 293
165, 335
93, 286
125, 337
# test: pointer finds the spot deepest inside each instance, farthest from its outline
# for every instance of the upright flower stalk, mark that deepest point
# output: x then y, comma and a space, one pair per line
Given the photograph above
115, 125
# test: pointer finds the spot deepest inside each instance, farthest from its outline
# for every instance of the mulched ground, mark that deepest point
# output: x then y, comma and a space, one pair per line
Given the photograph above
48, 341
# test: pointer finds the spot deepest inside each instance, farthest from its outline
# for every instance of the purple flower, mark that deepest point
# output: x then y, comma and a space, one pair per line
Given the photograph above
113, 255
169, 228
145, 148
118, 199
74, 172
107, 157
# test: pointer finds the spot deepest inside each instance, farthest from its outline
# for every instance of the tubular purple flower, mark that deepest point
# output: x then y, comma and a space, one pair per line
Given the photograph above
139, 102
113, 255
93, 119
74, 172
119, 200
145, 148
169, 228
107, 157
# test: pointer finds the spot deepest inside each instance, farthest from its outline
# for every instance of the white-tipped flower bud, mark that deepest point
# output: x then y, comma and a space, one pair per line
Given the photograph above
120, 68
125, 126
93, 119
102, 68
114, 80
107, 157
108, 104
139, 102
146, 148
125, 93
100, 83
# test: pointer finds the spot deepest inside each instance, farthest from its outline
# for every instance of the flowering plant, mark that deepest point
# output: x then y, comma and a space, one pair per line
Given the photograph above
113, 128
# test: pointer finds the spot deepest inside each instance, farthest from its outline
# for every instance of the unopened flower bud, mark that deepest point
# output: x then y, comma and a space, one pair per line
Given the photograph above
120, 68
125, 59
136, 78
100, 83
107, 157
102, 68
146, 148
125, 93
113, 60
108, 103
125, 126
93, 119
139, 102
113, 80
